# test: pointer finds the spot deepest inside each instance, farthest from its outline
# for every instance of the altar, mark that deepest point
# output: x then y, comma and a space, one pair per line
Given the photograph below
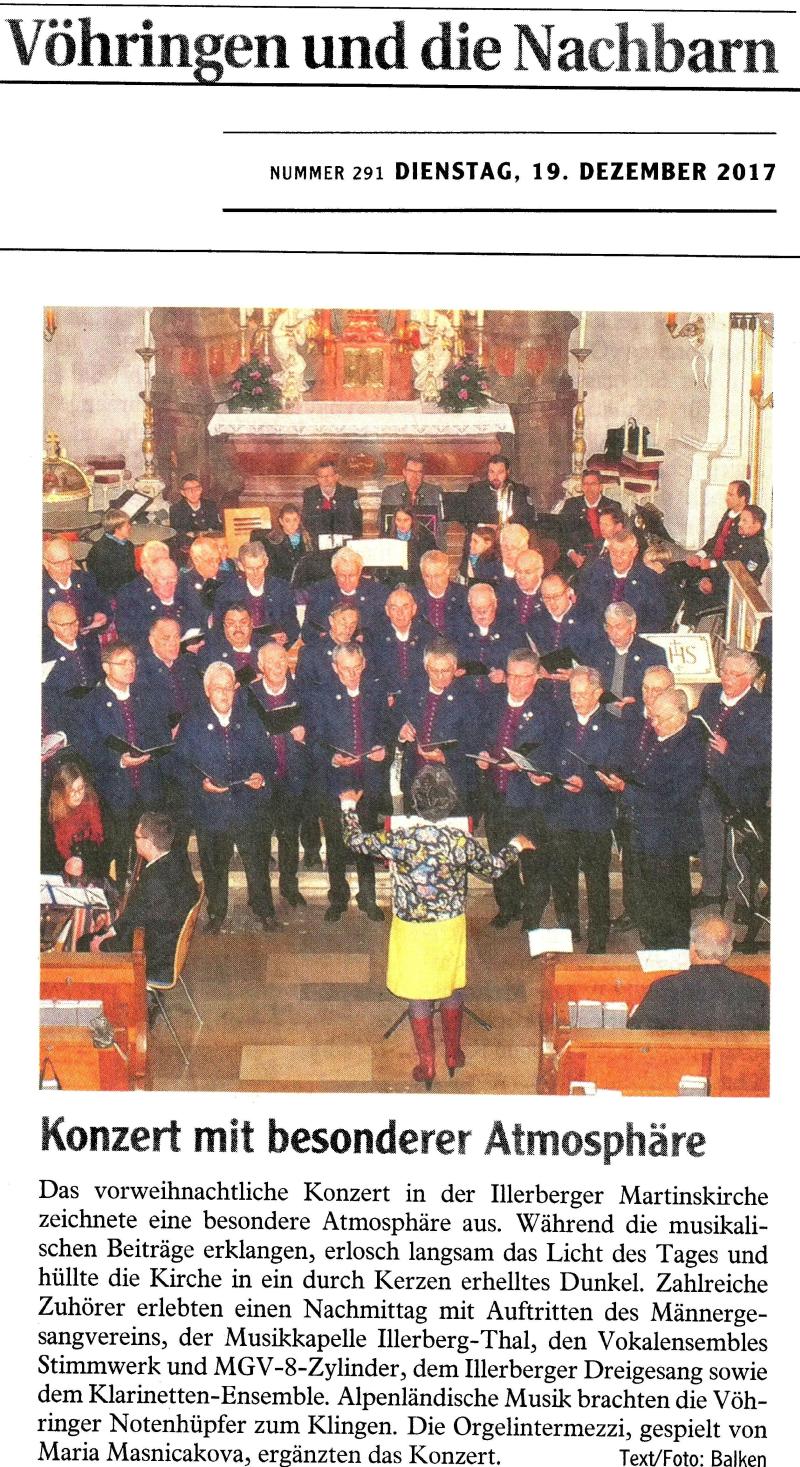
275, 453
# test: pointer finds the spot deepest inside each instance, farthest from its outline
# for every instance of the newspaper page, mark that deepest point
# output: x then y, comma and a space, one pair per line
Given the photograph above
527, 278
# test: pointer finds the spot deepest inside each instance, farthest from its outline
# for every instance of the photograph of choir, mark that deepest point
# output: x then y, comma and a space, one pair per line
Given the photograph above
305, 789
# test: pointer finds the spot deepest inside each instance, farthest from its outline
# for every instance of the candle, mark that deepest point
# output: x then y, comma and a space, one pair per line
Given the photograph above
479, 318
582, 332
147, 314
50, 320
757, 386
672, 320
243, 316
456, 319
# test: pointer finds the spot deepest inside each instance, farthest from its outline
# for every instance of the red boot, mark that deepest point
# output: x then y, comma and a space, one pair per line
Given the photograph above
422, 1029
451, 1033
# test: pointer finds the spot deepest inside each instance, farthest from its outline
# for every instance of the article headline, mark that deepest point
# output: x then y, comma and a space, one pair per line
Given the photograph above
532, 48
389, 1140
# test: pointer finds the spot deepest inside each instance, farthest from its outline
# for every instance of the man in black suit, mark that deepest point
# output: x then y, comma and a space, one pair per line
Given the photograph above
192, 514
497, 499
579, 519
414, 493
160, 901
331, 508
709, 995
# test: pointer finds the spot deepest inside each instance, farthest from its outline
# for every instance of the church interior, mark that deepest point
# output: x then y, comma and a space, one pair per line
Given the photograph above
663, 412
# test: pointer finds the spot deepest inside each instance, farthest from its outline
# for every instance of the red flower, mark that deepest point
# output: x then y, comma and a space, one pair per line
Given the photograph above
463, 394
256, 376
236, 386
258, 392
484, 386
464, 377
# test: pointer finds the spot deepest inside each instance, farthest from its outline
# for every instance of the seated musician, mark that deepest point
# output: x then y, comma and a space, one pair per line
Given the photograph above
480, 561
416, 536
709, 995
159, 901
73, 835
286, 545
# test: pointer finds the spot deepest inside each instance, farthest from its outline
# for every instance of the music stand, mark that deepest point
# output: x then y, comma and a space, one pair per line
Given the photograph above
461, 822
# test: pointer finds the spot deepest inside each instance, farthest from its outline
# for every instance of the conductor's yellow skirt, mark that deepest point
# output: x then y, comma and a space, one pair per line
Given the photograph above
427, 959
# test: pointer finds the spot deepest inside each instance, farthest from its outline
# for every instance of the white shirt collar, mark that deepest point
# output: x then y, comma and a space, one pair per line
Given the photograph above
256, 590
584, 718
508, 572
353, 692
120, 697
402, 636
434, 692
731, 702
623, 651
68, 646
276, 692
516, 702
223, 719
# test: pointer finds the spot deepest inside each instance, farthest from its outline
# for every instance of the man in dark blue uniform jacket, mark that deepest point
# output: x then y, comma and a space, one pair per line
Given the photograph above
120, 708
145, 601
737, 758
519, 717
349, 749
331, 508
710, 995
560, 625
315, 663
275, 690
173, 679
623, 577
346, 586
521, 597
585, 740
441, 604
483, 638
227, 766
269, 600
397, 649
75, 672
159, 902
62, 582
661, 788
622, 658
437, 708
234, 642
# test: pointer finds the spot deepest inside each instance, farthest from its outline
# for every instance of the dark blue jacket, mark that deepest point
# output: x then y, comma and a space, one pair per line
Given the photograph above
641, 655
176, 689
219, 649
199, 594
385, 657
455, 609
298, 756
275, 607
492, 650
742, 774
548, 635
512, 603
204, 747
84, 594
536, 728
594, 808
573, 522
138, 607
343, 519
457, 716
663, 804
332, 729
72, 671
188, 522
100, 716
112, 562
642, 589
369, 600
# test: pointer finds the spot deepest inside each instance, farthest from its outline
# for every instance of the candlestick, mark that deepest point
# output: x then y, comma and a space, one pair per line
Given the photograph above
756, 385
582, 332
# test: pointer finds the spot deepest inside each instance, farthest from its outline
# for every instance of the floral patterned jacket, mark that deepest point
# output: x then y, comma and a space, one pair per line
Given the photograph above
430, 865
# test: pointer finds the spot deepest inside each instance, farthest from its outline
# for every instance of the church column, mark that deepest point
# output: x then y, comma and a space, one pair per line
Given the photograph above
527, 362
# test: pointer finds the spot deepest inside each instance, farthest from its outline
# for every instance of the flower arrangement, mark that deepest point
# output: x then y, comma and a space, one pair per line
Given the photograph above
464, 386
253, 389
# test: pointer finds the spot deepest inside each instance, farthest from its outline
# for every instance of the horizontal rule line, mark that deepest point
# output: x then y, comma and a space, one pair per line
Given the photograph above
257, 209
395, 254
432, 9
286, 132
426, 86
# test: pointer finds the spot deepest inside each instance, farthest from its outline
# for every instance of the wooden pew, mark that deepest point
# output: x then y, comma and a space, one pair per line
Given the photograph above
78, 1065
118, 980
652, 1062
607, 978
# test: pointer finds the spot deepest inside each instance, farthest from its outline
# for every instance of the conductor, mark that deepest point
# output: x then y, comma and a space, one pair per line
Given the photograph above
428, 941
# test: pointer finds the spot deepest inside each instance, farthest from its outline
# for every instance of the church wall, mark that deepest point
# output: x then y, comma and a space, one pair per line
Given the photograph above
92, 380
